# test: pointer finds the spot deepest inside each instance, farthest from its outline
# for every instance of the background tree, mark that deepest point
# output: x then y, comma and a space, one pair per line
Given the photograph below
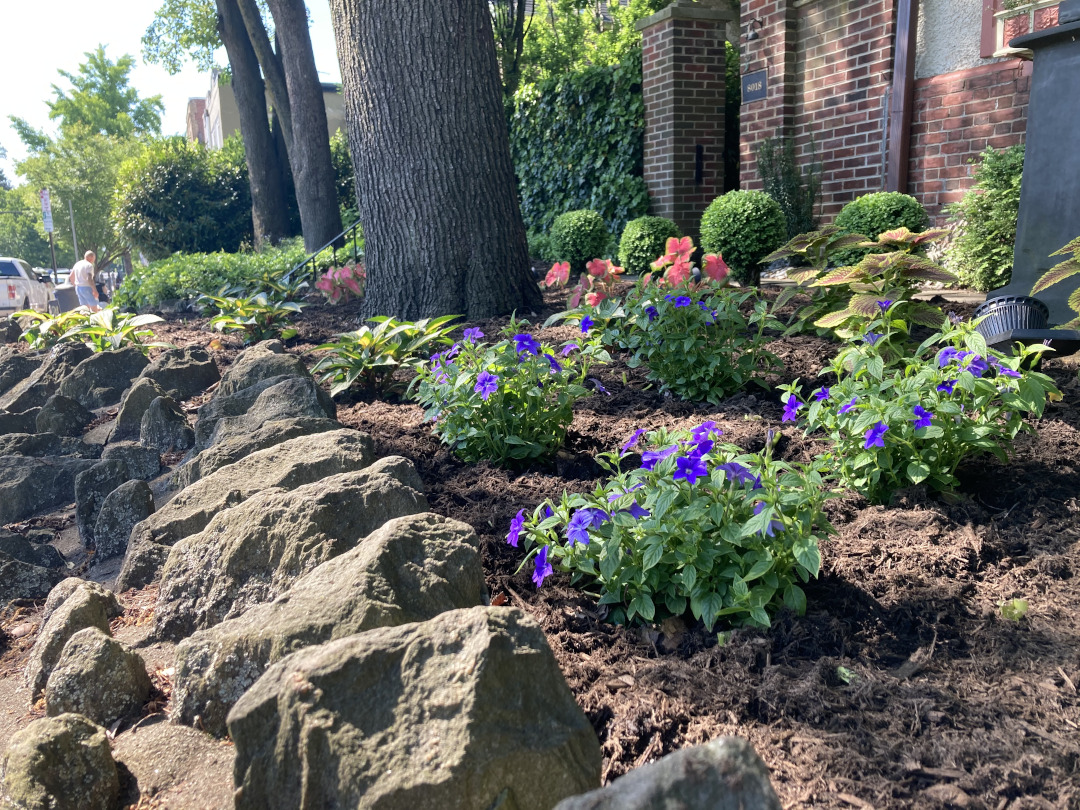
22, 232
443, 233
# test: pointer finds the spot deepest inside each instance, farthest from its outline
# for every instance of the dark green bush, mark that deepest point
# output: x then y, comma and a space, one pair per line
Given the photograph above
178, 195
643, 241
578, 237
874, 213
744, 227
982, 253
578, 142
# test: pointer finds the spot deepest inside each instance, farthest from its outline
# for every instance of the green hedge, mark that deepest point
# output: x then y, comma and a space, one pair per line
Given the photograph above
578, 142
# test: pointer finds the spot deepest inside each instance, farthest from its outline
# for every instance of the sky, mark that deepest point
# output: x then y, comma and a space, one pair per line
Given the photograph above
45, 36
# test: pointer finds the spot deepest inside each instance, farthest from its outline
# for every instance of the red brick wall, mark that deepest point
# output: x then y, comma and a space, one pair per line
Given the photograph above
683, 63
957, 115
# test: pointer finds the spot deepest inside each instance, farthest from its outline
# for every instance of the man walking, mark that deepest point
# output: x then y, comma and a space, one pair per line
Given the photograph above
82, 276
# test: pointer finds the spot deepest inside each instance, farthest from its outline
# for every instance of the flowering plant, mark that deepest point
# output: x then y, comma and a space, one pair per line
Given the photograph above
699, 524
598, 282
338, 283
510, 401
892, 428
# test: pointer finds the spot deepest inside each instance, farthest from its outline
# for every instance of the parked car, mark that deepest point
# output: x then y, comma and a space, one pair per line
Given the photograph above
20, 287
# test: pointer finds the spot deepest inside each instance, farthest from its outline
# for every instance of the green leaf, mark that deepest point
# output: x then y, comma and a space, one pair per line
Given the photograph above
807, 553
917, 471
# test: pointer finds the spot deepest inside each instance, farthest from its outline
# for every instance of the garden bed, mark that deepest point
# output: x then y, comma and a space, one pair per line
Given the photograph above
903, 685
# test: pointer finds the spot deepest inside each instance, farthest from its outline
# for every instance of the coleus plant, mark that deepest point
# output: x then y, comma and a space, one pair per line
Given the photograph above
846, 299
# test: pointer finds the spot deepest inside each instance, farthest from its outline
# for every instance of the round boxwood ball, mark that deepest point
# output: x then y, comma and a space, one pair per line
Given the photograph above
875, 213
579, 237
743, 226
643, 241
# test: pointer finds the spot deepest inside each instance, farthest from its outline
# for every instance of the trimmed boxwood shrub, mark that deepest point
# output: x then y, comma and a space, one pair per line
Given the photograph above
982, 254
874, 213
744, 227
643, 240
578, 237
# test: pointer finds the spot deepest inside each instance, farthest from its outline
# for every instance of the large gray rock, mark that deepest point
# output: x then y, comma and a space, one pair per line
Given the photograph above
287, 466
292, 397
21, 580
61, 763
44, 381
261, 362
39, 445
21, 549
126, 506
97, 677
410, 570
91, 488
252, 553
141, 462
15, 367
165, 428
66, 587
725, 774
84, 607
102, 379
182, 373
451, 713
128, 422
235, 448
32, 485
63, 416
24, 422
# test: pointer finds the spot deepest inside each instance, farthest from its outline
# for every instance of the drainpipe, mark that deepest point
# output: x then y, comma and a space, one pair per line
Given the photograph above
902, 95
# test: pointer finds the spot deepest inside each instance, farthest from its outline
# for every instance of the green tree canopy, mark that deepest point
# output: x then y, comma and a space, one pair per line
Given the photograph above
22, 232
182, 30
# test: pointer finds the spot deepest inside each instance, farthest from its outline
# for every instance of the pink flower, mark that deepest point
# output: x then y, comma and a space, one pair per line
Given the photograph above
594, 298
558, 275
598, 267
715, 267
678, 272
680, 248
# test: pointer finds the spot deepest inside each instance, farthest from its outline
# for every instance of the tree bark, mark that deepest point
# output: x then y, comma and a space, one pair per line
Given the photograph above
309, 156
269, 212
270, 63
442, 226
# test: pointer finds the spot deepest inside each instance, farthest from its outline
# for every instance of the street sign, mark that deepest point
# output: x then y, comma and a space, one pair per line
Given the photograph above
46, 210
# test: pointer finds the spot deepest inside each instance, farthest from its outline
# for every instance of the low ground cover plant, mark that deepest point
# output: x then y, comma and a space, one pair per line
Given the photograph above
892, 428
367, 358
257, 317
510, 401
100, 331
339, 284
698, 525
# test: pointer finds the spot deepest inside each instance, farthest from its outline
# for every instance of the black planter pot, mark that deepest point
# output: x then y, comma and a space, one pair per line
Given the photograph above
1010, 312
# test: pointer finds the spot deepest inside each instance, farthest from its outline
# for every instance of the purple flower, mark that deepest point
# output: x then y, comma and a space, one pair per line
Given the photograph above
774, 525
791, 408
515, 528
637, 434
739, 474
923, 417
637, 512
525, 344
599, 386
875, 436
652, 312
946, 356
702, 448
543, 567
850, 405
616, 495
947, 386
568, 348
555, 367
453, 351
682, 301
821, 394
577, 530
884, 305
586, 324
547, 512
689, 468
651, 458
977, 365
872, 337
1003, 370
474, 334
704, 430
486, 384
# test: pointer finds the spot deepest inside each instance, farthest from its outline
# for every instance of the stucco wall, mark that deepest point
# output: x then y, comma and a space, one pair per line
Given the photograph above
948, 40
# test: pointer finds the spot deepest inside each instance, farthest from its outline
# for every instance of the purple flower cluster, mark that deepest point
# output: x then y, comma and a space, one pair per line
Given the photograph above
486, 384
526, 345
975, 363
473, 335
791, 408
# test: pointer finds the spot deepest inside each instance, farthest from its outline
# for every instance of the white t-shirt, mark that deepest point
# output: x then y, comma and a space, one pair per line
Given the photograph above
82, 274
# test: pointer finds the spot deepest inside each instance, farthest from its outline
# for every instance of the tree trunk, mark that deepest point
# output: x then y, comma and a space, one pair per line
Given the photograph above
270, 63
442, 227
309, 155
268, 206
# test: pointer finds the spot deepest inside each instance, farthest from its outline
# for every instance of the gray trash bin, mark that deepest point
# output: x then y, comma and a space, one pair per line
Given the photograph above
66, 297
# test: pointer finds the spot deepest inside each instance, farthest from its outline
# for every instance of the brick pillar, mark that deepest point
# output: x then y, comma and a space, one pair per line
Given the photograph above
683, 87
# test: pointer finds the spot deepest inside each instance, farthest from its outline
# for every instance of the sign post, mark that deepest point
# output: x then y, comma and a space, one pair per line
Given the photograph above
46, 214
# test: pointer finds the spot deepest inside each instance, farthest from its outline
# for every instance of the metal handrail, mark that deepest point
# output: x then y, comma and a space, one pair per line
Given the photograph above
333, 243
